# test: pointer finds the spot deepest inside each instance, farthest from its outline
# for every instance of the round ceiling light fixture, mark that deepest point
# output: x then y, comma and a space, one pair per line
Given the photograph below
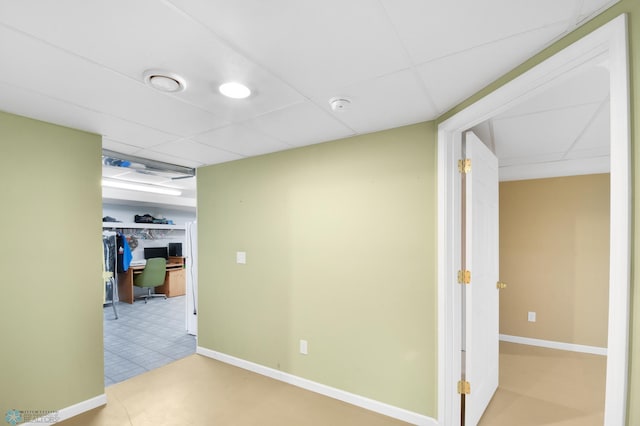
163, 81
234, 90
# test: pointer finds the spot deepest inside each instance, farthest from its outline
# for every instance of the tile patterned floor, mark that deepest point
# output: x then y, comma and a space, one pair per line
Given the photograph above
144, 337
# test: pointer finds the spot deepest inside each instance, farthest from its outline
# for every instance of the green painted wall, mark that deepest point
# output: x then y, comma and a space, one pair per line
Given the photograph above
341, 251
632, 8
51, 315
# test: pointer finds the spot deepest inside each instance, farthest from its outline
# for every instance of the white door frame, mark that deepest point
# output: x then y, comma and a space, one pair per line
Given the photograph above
610, 42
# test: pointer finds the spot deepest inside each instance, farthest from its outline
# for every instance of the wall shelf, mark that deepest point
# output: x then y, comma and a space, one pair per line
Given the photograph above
133, 225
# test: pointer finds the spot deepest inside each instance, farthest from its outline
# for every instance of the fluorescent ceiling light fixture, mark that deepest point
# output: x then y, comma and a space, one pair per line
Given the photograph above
234, 90
140, 187
145, 165
164, 81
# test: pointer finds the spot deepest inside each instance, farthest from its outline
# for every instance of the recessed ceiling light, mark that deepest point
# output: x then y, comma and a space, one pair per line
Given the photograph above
234, 90
164, 81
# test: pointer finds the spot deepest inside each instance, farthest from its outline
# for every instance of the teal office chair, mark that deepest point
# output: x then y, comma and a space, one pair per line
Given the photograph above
152, 276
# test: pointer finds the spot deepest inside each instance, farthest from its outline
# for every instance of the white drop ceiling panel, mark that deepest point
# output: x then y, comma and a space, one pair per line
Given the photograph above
596, 133
192, 151
453, 78
543, 132
85, 84
116, 146
241, 140
398, 98
431, 31
33, 104
315, 46
301, 124
156, 35
590, 86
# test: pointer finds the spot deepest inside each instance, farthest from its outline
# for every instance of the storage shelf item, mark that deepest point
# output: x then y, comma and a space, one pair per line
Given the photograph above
133, 225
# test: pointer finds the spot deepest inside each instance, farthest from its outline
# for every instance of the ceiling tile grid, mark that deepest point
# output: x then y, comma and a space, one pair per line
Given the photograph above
189, 150
301, 124
241, 140
453, 78
549, 131
81, 64
430, 32
388, 101
315, 46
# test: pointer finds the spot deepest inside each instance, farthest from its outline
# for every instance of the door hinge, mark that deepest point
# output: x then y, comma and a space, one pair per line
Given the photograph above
464, 166
464, 277
464, 387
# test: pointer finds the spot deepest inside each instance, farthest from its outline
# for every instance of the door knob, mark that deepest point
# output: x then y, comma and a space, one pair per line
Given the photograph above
500, 285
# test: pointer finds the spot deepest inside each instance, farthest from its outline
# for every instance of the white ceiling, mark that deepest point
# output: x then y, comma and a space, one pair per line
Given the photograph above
80, 63
562, 131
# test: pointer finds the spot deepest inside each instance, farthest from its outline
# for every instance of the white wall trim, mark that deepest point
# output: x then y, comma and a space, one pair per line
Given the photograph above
73, 410
357, 400
83, 406
615, 408
583, 166
449, 320
573, 347
609, 41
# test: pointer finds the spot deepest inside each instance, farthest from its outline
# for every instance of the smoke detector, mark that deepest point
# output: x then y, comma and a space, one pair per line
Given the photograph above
339, 103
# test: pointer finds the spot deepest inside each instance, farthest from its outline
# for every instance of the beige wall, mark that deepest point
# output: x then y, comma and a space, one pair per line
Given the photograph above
50, 257
340, 240
554, 255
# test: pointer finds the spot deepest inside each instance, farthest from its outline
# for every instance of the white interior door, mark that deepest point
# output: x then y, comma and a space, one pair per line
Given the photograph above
482, 296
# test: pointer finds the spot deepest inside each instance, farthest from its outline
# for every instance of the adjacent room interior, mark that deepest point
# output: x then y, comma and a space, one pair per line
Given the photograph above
150, 323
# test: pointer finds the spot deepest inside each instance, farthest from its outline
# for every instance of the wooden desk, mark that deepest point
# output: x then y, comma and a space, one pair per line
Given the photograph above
175, 281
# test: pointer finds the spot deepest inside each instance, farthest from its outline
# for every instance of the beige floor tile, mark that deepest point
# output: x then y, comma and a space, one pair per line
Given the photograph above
200, 391
540, 386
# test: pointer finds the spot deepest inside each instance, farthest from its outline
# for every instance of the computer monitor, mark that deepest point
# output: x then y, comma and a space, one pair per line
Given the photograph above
150, 252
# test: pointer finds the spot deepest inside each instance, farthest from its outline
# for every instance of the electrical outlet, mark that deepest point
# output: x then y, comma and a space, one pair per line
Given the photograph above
241, 257
304, 347
531, 317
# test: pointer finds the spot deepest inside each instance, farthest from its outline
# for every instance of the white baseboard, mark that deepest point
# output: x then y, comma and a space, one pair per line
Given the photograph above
357, 400
595, 350
71, 411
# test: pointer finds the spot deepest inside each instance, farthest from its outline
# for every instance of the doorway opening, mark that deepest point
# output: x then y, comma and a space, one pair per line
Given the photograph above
142, 333
554, 257
609, 42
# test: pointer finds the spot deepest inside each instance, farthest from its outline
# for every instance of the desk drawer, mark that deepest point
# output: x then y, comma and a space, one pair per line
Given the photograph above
175, 283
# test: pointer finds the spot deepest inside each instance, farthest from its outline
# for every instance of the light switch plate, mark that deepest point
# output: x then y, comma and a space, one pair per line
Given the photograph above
531, 317
241, 257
